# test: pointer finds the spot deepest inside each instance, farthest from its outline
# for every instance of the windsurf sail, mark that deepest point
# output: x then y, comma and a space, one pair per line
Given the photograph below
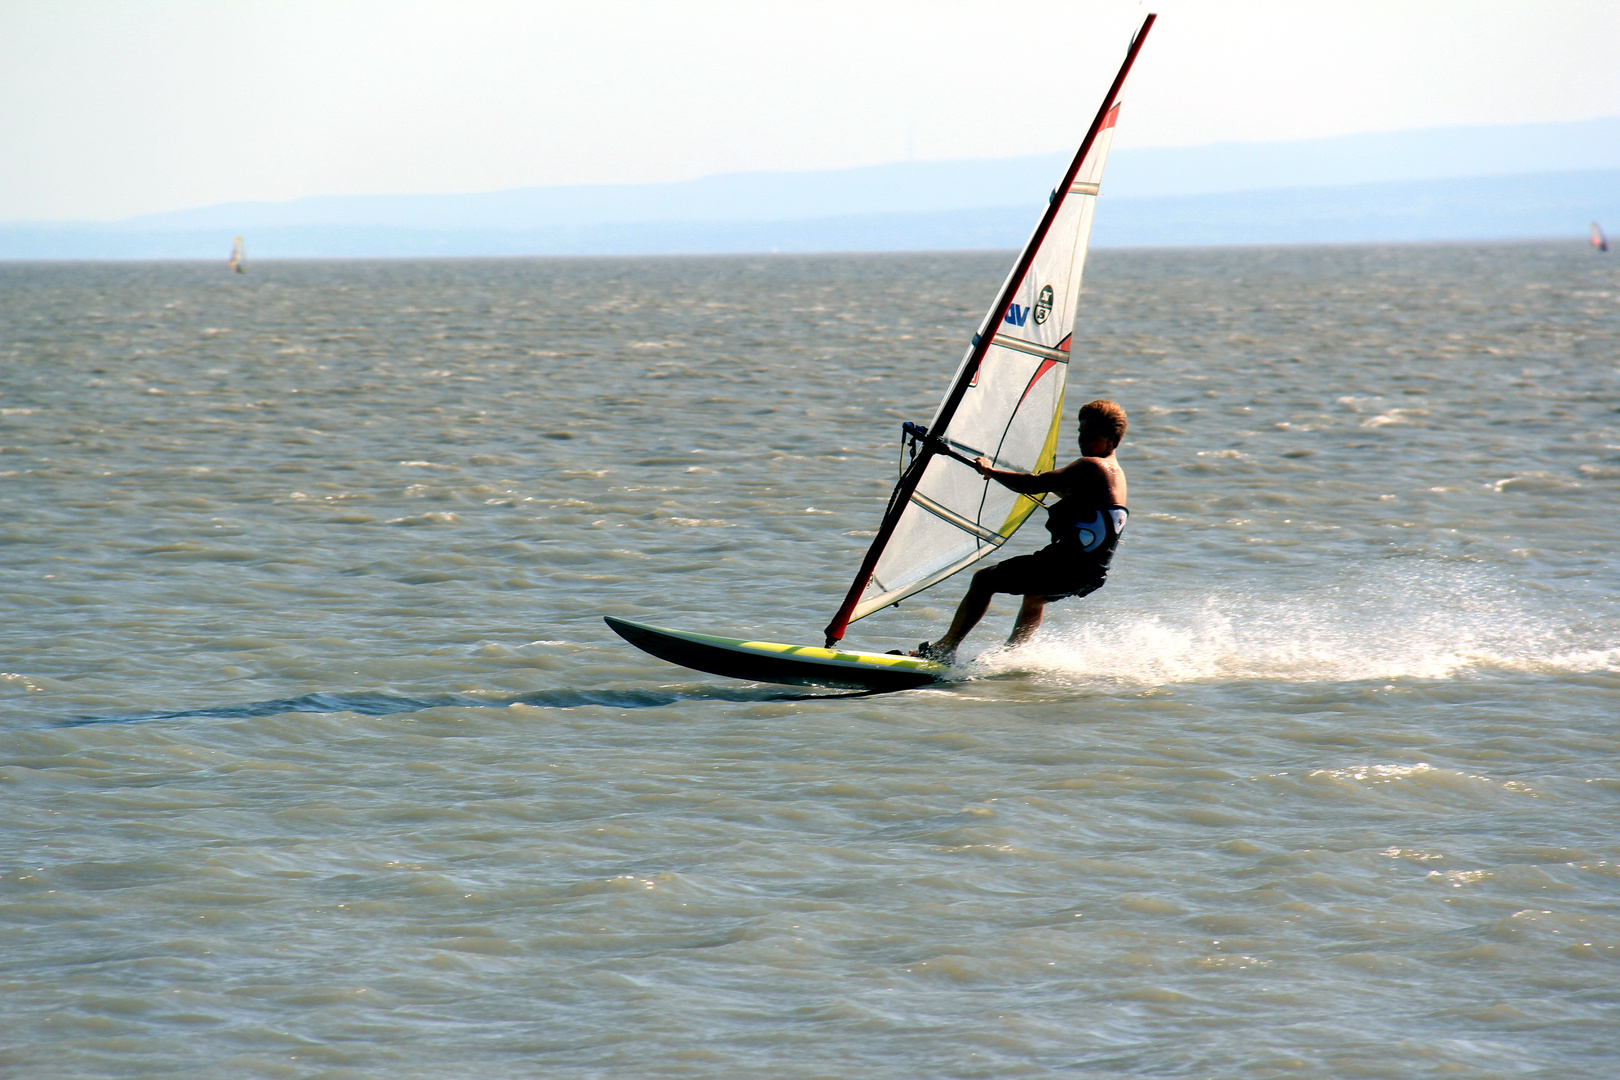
1005, 401
1599, 241
238, 256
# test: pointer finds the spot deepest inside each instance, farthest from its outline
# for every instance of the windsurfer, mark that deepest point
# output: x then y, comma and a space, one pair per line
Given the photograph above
1085, 524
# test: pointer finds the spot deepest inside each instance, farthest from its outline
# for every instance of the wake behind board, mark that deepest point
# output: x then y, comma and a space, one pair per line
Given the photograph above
767, 661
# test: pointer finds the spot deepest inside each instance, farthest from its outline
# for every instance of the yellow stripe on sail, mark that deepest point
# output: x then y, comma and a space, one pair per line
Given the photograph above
1026, 504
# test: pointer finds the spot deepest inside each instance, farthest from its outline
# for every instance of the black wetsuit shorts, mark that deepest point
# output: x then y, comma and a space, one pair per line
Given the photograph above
1056, 572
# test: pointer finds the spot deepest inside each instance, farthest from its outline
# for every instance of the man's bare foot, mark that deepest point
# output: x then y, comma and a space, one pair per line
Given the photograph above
938, 655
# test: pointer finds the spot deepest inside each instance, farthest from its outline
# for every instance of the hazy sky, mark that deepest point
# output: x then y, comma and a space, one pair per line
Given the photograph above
116, 107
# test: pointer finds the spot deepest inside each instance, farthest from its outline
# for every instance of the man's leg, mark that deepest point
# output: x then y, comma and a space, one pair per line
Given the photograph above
1029, 620
968, 614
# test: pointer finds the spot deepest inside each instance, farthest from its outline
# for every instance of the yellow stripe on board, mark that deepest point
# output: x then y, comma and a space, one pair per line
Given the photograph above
816, 653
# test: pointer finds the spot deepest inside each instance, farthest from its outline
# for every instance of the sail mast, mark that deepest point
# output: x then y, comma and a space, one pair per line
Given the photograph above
907, 486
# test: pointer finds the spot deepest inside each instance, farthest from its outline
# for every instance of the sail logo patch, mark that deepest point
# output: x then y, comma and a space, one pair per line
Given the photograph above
1016, 315
1043, 305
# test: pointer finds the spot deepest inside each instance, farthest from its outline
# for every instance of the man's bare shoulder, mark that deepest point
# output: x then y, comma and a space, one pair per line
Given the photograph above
1086, 468
1097, 479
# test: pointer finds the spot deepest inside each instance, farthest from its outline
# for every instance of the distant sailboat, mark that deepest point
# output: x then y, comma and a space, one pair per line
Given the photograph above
1599, 241
239, 256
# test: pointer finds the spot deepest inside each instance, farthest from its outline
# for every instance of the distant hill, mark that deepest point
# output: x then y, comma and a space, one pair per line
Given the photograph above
1442, 184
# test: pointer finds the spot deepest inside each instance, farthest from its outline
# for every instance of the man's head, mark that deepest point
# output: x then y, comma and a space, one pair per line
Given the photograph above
1102, 420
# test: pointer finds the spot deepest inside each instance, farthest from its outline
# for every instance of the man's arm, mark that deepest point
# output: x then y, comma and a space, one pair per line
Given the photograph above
1028, 483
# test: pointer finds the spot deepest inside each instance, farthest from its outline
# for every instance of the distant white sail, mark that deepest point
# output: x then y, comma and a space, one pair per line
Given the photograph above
1599, 241
238, 256
1005, 402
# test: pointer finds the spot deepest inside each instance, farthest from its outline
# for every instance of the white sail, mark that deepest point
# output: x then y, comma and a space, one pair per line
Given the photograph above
1005, 403
238, 256
1012, 411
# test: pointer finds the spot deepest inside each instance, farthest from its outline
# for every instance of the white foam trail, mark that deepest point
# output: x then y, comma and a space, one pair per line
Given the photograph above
1425, 625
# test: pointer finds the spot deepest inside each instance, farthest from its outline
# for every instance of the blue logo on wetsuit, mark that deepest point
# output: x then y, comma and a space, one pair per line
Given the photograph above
1093, 534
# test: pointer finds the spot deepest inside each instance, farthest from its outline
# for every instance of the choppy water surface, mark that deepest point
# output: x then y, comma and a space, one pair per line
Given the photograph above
318, 760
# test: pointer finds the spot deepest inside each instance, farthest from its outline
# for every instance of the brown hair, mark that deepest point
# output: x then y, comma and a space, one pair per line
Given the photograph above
1105, 415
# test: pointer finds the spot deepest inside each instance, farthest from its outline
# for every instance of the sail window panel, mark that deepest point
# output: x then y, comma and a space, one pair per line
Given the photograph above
999, 504
929, 547
924, 545
1003, 377
1008, 388
958, 488
951, 517
1031, 434
872, 601
926, 540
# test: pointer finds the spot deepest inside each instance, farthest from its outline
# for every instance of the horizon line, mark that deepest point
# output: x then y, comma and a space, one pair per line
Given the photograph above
890, 164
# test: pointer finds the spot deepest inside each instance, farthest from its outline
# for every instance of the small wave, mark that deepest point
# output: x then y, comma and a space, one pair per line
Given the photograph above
375, 703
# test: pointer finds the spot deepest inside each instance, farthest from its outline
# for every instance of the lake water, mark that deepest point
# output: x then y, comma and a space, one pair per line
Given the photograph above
316, 759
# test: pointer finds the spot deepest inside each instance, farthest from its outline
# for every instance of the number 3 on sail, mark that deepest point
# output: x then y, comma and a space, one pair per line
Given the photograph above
1005, 403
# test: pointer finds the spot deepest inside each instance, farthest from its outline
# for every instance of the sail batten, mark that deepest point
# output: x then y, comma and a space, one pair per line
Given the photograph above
1006, 400
894, 596
1057, 356
989, 536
